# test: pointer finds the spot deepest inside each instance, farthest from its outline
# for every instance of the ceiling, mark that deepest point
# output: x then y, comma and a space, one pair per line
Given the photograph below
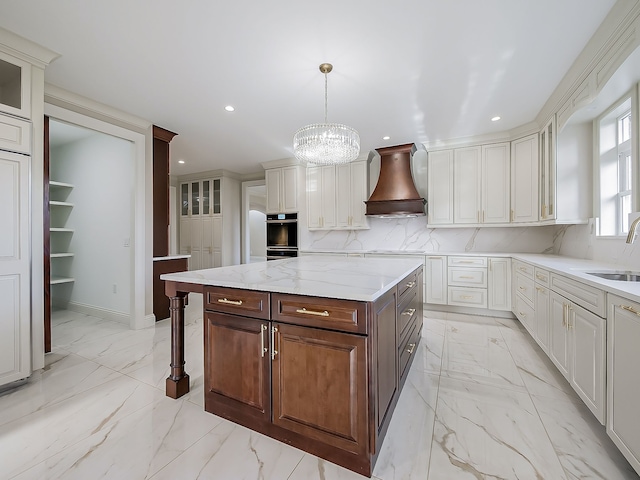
415, 70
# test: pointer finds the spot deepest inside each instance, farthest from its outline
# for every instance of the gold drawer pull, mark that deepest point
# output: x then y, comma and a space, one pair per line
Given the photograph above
411, 348
466, 261
230, 302
540, 289
541, 277
630, 309
409, 311
313, 312
522, 288
411, 284
467, 297
522, 269
522, 314
466, 277
263, 349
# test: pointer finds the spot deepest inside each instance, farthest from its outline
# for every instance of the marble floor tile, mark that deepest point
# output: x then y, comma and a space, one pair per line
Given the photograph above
481, 401
231, 451
584, 455
136, 446
486, 432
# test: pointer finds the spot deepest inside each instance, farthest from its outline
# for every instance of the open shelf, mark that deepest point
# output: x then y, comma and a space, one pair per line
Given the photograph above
65, 230
60, 204
61, 255
53, 184
61, 280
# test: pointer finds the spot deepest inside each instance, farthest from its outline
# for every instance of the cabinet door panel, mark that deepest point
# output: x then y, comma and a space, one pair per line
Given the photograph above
542, 317
435, 280
466, 188
320, 386
290, 189
524, 179
495, 183
499, 282
237, 366
587, 346
359, 194
343, 195
274, 185
559, 340
314, 197
440, 191
328, 194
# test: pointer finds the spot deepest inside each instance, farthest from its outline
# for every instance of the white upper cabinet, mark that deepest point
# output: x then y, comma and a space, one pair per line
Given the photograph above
336, 196
466, 185
440, 188
548, 170
282, 189
495, 183
15, 86
524, 179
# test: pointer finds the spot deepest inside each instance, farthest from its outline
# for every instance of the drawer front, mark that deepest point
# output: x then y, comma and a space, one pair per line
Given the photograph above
467, 261
588, 297
523, 268
247, 303
15, 135
467, 277
407, 312
525, 287
541, 276
468, 297
341, 315
525, 313
407, 285
408, 349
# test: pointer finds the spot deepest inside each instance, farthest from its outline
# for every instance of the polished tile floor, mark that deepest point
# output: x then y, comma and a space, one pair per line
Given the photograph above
481, 401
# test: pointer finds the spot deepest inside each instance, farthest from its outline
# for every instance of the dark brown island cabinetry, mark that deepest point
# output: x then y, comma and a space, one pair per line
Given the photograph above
321, 374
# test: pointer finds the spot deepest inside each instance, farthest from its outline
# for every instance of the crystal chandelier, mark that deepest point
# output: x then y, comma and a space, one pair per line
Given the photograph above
326, 143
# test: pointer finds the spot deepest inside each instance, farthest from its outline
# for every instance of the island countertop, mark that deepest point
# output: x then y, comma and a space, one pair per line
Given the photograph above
363, 279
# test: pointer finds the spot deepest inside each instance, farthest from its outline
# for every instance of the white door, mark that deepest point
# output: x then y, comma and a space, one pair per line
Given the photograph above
289, 189
559, 337
273, 179
15, 317
524, 179
466, 185
435, 280
440, 189
542, 317
499, 283
495, 183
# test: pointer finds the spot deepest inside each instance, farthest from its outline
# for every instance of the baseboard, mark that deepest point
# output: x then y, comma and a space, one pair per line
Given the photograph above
99, 312
483, 312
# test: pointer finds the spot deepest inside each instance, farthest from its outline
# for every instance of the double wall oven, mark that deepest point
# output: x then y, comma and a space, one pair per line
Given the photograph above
282, 235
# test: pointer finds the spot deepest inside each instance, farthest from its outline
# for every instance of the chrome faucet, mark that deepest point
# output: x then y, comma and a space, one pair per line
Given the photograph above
632, 230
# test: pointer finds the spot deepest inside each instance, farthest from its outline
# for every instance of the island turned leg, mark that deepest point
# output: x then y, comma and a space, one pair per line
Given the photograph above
178, 381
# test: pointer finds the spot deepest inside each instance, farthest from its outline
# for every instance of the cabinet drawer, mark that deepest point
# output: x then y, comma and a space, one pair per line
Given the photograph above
467, 261
407, 312
409, 283
588, 297
408, 348
541, 276
525, 313
467, 277
15, 135
342, 315
247, 303
525, 287
468, 297
523, 268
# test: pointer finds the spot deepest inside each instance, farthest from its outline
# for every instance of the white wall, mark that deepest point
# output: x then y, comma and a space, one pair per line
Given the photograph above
101, 168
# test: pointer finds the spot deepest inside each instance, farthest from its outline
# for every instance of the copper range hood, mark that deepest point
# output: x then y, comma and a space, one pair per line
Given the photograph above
395, 194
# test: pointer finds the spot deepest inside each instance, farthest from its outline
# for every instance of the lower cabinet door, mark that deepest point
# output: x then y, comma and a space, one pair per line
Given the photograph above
559, 334
320, 385
237, 367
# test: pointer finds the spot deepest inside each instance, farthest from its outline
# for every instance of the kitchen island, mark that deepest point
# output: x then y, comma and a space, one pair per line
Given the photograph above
310, 351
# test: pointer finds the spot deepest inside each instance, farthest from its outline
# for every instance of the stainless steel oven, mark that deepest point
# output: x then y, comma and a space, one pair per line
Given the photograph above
282, 235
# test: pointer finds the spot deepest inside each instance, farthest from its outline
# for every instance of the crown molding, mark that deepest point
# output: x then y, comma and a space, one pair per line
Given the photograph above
26, 50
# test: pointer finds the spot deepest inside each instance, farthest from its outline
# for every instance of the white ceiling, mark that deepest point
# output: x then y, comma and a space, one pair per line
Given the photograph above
416, 70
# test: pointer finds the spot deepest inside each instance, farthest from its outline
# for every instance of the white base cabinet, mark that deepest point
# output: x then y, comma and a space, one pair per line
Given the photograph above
435, 280
623, 380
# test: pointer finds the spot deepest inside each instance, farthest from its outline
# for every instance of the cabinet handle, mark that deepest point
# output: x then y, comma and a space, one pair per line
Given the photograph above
540, 289
469, 277
541, 277
564, 315
482, 216
230, 302
465, 261
411, 284
435, 258
466, 297
630, 309
274, 352
478, 216
409, 311
522, 269
544, 211
522, 314
263, 349
522, 289
512, 215
313, 312
411, 348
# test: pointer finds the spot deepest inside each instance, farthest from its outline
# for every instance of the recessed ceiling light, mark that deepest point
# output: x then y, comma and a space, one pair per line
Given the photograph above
229, 108
495, 119
180, 161
386, 137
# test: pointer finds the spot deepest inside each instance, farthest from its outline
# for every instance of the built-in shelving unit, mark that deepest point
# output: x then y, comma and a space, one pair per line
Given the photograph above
60, 238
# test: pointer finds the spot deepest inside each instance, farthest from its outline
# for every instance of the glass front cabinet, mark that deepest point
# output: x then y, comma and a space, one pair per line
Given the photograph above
200, 198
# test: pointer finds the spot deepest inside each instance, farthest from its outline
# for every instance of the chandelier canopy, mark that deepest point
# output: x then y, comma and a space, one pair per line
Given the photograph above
326, 143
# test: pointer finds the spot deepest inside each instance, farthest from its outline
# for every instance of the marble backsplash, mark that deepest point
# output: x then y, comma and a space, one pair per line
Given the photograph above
413, 234
580, 241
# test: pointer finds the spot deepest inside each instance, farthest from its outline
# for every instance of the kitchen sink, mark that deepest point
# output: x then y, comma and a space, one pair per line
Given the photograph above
620, 276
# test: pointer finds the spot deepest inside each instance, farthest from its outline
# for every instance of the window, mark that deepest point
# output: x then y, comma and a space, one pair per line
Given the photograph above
615, 132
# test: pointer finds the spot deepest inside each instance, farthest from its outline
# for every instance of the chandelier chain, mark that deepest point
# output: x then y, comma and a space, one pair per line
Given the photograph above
325, 96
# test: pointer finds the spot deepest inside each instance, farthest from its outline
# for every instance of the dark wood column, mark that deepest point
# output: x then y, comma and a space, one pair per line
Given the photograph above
161, 140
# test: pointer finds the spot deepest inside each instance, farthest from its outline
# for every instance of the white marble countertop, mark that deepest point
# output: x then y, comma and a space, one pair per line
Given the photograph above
577, 269
170, 257
352, 278
406, 252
